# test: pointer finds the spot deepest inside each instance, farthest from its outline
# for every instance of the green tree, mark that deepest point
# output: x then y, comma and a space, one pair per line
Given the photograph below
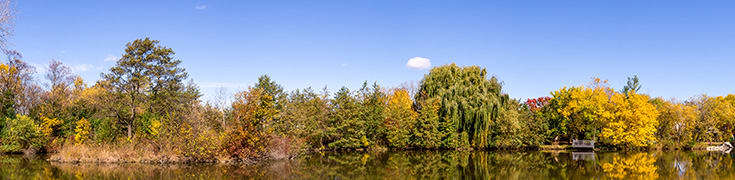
427, 131
347, 128
518, 127
371, 109
271, 88
147, 73
274, 90
631, 85
307, 114
467, 99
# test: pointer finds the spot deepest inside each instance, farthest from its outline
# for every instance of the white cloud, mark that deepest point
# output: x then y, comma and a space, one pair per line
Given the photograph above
418, 63
82, 68
40, 68
200, 7
111, 58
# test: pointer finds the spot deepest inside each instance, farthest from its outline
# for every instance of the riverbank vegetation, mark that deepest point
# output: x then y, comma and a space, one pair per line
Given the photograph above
146, 109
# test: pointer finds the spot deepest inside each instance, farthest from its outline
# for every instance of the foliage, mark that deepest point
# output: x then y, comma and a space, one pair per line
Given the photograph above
82, 130
104, 130
400, 119
49, 125
676, 123
16, 87
537, 104
200, 144
578, 111
634, 123
145, 98
272, 89
253, 110
307, 113
716, 118
371, 110
428, 130
147, 73
149, 125
21, 133
631, 85
347, 130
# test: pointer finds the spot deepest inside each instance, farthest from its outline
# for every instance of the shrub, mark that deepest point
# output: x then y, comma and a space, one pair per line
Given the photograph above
21, 133
149, 125
82, 130
49, 126
104, 130
199, 144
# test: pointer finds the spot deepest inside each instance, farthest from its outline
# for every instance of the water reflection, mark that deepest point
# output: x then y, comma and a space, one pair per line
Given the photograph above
407, 165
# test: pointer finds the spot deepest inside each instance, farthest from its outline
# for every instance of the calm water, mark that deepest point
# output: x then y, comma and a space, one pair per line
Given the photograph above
408, 165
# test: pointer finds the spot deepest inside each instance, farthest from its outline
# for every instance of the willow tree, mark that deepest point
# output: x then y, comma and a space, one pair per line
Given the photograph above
467, 99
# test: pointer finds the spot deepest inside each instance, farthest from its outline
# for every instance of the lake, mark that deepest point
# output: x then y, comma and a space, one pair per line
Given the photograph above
407, 165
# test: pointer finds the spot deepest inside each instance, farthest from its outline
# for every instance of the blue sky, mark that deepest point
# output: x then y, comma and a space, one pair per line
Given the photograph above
679, 49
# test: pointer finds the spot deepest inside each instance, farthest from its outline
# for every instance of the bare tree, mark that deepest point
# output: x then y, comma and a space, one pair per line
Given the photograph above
221, 102
7, 14
59, 75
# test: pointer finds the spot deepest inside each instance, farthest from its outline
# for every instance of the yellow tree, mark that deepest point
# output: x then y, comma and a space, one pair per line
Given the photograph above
634, 122
578, 111
716, 119
400, 118
676, 122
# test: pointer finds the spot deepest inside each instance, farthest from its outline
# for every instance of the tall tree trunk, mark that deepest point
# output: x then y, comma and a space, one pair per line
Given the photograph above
132, 116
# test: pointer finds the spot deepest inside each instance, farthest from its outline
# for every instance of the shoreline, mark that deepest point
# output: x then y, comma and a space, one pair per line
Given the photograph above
165, 159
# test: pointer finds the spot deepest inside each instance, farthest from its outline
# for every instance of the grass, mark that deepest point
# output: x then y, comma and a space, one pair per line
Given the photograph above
114, 154
554, 147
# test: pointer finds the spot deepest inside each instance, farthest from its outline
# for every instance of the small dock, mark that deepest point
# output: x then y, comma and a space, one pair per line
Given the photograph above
583, 144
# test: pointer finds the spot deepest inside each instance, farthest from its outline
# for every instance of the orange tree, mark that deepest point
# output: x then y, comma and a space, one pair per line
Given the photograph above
252, 111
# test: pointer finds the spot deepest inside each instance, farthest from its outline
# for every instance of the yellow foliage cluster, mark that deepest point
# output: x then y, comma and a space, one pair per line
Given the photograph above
155, 127
9, 76
581, 108
4, 68
49, 125
81, 131
627, 119
200, 144
400, 118
634, 122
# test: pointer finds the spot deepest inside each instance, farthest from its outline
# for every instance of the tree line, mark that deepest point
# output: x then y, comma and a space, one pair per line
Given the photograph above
147, 98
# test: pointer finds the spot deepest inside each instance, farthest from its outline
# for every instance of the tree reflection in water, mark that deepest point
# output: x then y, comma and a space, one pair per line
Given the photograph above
406, 165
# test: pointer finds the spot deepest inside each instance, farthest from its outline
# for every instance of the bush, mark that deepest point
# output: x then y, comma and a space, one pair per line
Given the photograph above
199, 144
148, 125
104, 130
21, 133
81, 132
